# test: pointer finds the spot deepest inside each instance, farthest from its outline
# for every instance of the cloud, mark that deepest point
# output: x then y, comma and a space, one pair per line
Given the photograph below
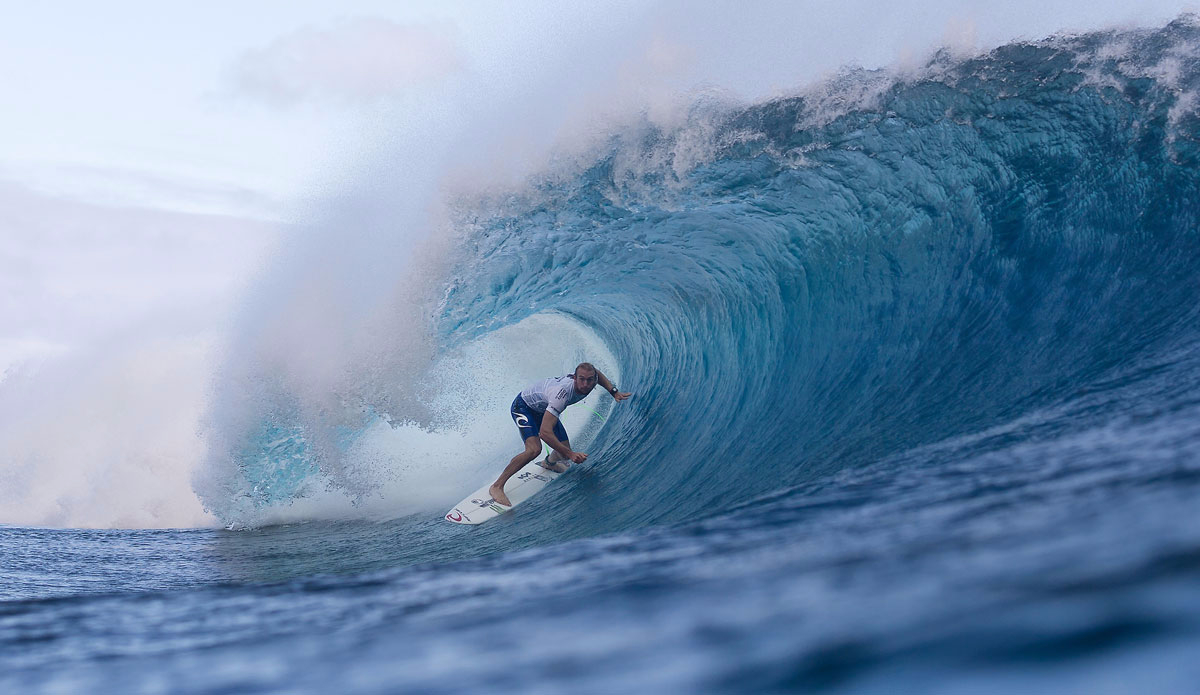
61, 185
358, 61
72, 270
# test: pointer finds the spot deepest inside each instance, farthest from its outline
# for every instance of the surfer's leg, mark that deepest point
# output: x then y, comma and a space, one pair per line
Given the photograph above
533, 447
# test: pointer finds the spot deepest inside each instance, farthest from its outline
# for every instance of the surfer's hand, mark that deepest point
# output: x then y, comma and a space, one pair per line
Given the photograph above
578, 457
621, 395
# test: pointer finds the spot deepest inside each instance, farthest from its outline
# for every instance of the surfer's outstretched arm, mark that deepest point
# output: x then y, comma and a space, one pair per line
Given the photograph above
610, 387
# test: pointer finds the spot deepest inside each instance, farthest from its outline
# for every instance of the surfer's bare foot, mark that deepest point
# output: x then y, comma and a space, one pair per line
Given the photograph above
497, 494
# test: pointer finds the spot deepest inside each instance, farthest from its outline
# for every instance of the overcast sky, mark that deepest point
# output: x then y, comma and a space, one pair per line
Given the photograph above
245, 107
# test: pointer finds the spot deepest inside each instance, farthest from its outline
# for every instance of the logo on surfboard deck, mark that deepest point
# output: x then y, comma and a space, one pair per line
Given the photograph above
454, 515
490, 504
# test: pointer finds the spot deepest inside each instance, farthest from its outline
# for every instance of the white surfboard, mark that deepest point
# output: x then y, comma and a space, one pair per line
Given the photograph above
479, 506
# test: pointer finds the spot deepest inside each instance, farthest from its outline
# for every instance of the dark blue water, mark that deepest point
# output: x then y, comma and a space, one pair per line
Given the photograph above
917, 409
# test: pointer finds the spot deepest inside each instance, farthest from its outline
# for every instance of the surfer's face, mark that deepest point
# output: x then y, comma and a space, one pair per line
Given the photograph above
585, 382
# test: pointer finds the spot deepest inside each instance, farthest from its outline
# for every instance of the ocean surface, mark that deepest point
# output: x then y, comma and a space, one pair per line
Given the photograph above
915, 358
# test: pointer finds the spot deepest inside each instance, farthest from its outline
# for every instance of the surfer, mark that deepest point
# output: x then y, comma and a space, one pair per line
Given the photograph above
536, 412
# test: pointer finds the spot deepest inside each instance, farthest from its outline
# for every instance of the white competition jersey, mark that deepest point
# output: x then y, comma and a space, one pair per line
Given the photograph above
552, 395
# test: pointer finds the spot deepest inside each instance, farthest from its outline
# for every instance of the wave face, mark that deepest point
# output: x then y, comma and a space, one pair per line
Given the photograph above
815, 282
793, 288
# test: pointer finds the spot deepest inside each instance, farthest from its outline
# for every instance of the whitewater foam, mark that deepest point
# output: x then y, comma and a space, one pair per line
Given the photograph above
398, 465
